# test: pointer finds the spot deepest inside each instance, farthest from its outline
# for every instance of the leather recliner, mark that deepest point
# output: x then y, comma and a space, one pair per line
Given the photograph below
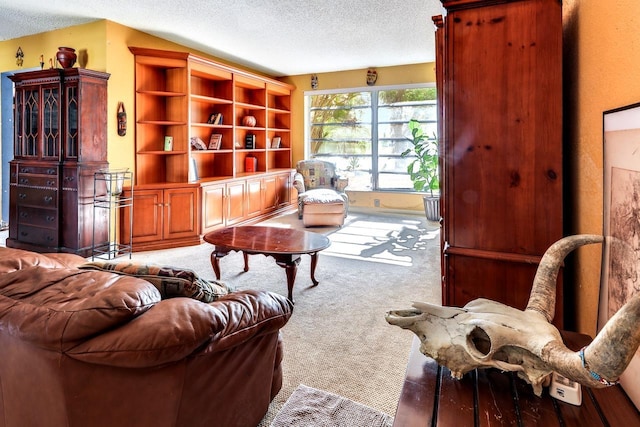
92, 348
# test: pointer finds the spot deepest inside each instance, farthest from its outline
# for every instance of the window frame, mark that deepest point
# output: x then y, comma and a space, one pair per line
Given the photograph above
374, 90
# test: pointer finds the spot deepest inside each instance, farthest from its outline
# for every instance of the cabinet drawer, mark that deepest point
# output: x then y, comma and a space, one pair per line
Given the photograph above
40, 217
48, 181
38, 235
37, 197
70, 179
38, 170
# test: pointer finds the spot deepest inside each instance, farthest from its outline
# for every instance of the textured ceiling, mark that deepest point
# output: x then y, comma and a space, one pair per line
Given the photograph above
279, 37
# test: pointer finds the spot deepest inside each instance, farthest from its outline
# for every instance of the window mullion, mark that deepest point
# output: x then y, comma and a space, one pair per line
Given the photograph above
374, 140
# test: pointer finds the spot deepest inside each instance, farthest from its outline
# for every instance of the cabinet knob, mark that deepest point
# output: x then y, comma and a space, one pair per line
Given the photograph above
50, 218
51, 171
22, 196
51, 183
24, 181
48, 199
23, 214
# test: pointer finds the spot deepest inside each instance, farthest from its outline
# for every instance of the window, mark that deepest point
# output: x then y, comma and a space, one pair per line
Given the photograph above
365, 132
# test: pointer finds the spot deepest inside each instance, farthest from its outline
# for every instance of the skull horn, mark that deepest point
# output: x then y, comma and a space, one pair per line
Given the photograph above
543, 291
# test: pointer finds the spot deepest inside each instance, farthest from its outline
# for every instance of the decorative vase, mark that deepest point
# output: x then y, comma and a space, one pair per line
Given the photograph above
66, 56
249, 121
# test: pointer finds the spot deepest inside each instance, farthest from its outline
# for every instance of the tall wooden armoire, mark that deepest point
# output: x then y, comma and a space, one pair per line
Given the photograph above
500, 68
60, 141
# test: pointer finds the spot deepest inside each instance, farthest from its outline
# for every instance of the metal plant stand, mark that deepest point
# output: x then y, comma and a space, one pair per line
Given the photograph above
108, 200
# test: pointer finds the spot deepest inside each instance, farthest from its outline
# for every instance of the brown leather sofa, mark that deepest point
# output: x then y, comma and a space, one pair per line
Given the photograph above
93, 348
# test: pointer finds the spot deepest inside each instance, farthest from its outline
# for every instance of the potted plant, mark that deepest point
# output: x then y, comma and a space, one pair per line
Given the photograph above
423, 169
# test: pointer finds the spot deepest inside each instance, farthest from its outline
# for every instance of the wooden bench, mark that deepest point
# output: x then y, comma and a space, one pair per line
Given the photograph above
489, 397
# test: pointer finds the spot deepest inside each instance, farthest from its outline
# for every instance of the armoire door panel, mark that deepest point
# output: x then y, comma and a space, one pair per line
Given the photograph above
499, 66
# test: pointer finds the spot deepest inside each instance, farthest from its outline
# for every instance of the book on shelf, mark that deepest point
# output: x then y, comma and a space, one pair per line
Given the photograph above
215, 119
193, 170
250, 141
215, 142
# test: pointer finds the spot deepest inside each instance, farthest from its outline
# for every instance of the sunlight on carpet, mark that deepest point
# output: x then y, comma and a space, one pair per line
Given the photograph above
380, 241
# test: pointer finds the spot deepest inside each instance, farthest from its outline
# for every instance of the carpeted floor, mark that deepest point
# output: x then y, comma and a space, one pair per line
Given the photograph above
337, 339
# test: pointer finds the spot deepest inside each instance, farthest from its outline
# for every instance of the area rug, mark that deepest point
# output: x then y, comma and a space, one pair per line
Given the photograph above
310, 407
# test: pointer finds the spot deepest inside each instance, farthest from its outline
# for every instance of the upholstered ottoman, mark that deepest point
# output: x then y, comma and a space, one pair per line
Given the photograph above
323, 207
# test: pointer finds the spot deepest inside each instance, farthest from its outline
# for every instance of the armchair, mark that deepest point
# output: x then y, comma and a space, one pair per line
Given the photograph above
321, 196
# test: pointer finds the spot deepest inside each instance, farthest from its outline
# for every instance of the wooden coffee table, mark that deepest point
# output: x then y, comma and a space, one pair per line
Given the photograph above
285, 245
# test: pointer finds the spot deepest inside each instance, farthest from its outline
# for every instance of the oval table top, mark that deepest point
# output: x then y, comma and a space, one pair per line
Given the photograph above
268, 240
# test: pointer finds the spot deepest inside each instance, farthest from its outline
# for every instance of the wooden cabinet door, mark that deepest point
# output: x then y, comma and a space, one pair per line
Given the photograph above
502, 146
283, 189
270, 194
181, 216
236, 202
147, 217
254, 197
213, 207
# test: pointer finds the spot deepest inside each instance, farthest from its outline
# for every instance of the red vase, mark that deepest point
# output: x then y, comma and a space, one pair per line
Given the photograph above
66, 56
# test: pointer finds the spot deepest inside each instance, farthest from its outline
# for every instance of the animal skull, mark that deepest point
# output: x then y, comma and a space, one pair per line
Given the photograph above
486, 333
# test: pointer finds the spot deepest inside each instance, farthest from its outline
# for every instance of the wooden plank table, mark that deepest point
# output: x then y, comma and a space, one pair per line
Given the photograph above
489, 397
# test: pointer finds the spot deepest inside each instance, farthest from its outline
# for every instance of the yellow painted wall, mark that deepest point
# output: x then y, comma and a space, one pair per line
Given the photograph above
602, 62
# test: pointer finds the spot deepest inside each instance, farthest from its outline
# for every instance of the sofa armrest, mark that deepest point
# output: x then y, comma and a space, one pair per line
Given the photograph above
341, 183
178, 327
298, 183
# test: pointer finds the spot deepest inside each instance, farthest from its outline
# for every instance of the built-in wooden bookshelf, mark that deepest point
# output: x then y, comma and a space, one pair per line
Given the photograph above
179, 95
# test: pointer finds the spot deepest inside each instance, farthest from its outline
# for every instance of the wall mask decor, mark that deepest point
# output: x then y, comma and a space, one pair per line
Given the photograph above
372, 76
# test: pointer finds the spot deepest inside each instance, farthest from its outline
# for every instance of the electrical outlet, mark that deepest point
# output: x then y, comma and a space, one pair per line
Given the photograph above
566, 390
376, 203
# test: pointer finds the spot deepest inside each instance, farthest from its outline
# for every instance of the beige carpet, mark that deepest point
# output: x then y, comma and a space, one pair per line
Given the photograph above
308, 406
337, 339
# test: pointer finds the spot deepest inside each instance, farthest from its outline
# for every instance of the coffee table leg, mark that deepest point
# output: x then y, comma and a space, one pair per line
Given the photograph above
215, 261
291, 270
246, 261
314, 262
290, 264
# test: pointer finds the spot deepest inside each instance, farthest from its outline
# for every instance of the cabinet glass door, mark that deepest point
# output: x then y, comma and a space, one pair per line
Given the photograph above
51, 121
28, 146
71, 137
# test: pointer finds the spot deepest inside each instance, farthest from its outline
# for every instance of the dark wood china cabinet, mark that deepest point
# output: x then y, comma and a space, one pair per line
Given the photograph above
60, 141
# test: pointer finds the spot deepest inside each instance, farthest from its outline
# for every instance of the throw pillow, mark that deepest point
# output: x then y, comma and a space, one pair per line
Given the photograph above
170, 281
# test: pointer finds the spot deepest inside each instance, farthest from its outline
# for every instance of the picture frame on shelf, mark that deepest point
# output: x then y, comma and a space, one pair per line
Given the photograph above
215, 142
621, 149
275, 142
